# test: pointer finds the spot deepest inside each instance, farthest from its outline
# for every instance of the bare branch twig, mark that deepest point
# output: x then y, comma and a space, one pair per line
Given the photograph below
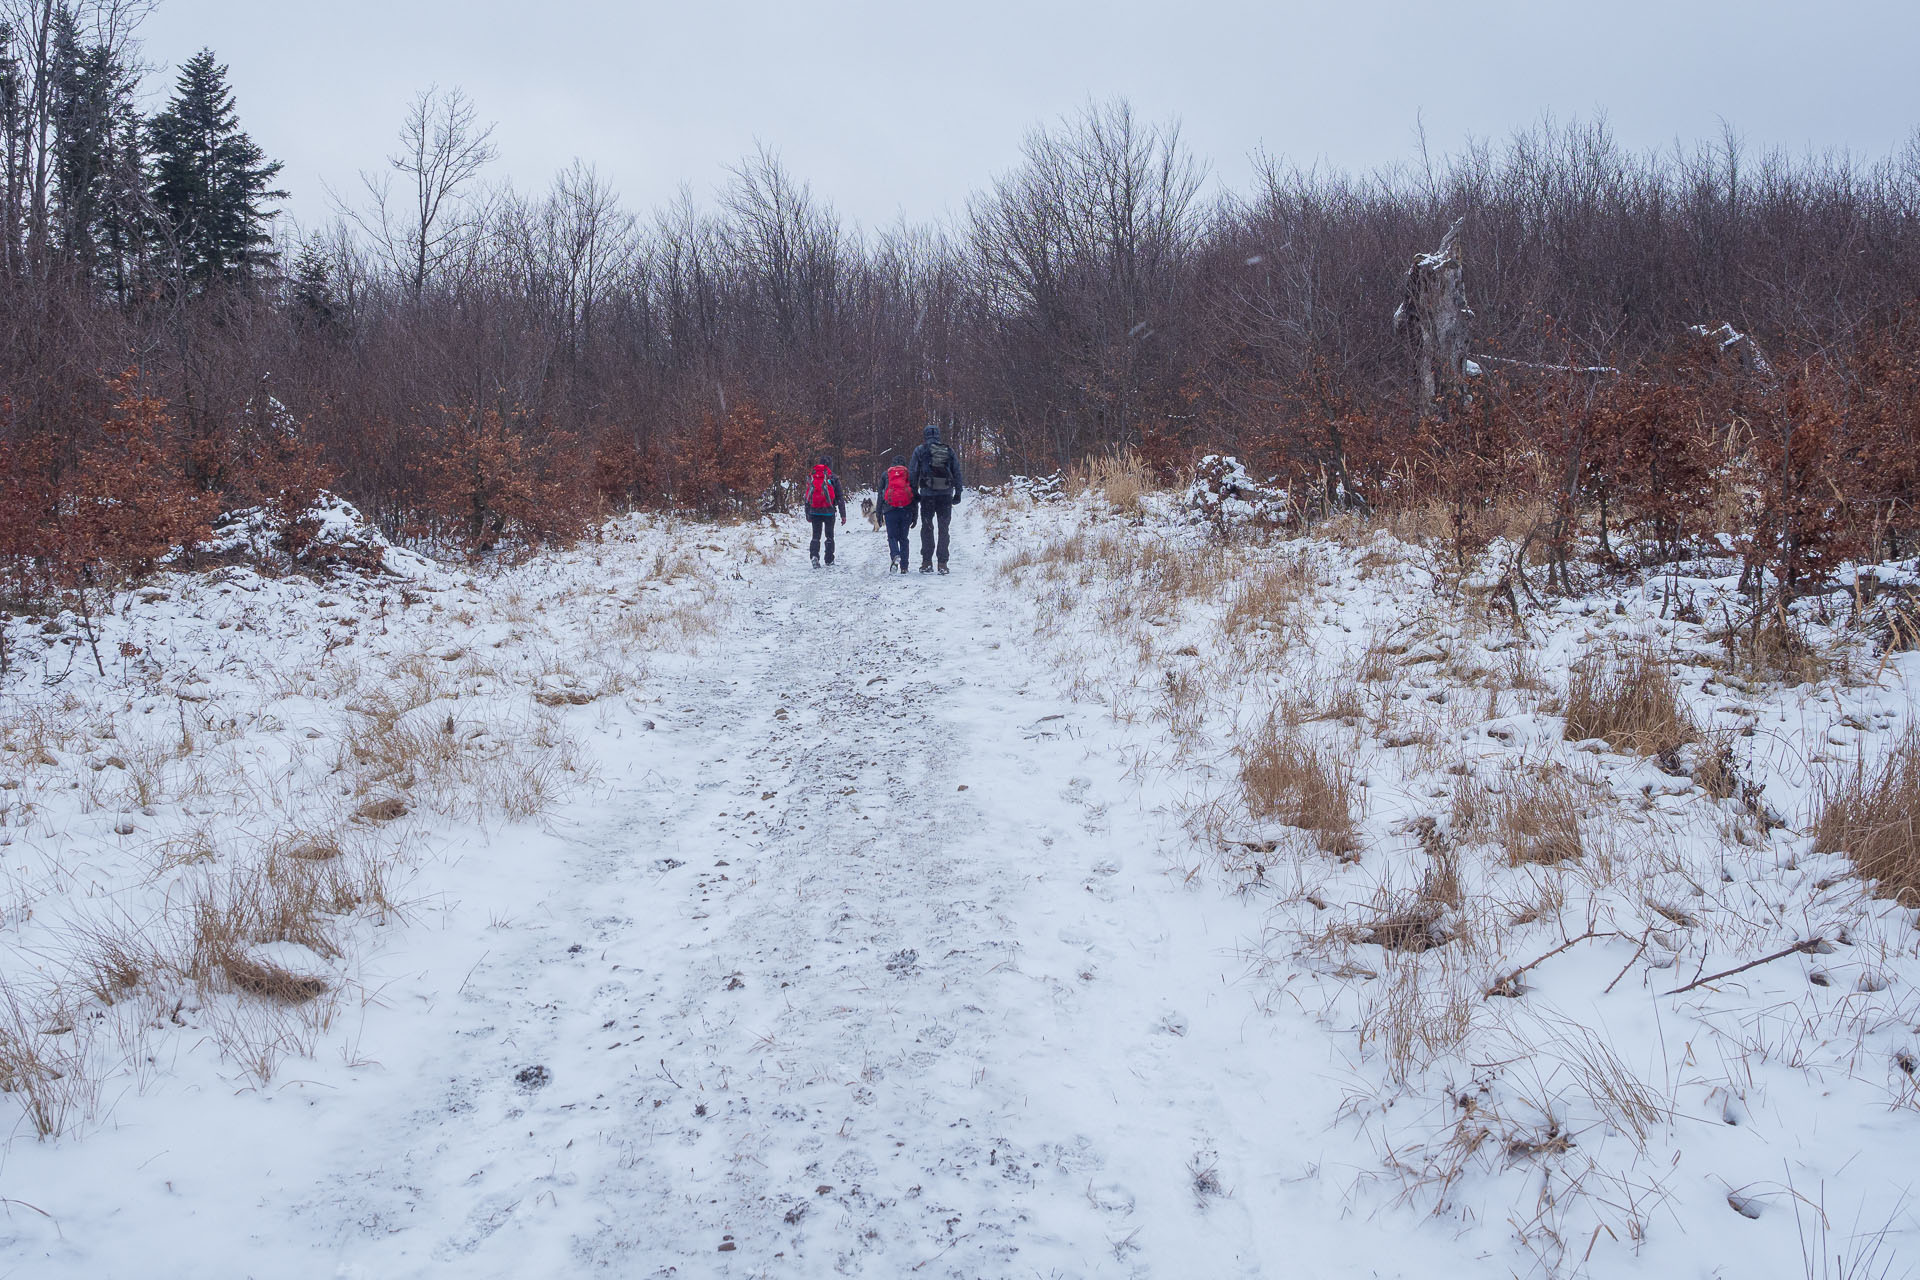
1793, 950
1508, 986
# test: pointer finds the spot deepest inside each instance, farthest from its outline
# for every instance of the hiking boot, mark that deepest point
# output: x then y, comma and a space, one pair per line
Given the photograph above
816, 562
943, 568
926, 566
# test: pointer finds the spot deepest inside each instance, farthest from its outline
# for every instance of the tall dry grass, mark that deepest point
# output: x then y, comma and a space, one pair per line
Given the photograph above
1287, 779
1118, 475
1873, 816
1628, 697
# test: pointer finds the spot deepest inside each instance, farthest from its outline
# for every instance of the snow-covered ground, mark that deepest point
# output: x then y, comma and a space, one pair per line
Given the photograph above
746, 919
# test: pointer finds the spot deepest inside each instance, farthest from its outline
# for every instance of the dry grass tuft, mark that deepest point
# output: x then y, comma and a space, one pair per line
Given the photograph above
1873, 816
42, 1071
1284, 778
1119, 475
1536, 819
270, 981
1269, 599
1629, 698
1418, 1014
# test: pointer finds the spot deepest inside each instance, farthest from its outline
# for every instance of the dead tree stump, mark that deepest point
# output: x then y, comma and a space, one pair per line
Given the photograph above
1433, 314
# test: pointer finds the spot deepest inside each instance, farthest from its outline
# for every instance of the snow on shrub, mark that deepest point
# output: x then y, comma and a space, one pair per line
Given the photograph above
331, 534
1049, 488
1225, 498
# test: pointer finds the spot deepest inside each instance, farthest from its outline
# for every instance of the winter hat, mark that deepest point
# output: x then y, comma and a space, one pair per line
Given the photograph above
933, 433
899, 460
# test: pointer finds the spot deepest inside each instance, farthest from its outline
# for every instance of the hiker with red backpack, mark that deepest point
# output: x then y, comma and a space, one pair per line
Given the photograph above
823, 499
900, 511
935, 475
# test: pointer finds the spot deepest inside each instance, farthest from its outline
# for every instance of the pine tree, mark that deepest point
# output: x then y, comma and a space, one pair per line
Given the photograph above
13, 151
76, 146
124, 214
210, 182
314, 303
98, 200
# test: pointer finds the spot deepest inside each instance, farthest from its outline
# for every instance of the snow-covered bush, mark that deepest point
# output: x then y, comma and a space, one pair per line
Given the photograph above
1225, 498
1049, 488
331, 534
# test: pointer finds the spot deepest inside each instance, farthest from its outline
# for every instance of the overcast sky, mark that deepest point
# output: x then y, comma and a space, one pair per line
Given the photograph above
896, 109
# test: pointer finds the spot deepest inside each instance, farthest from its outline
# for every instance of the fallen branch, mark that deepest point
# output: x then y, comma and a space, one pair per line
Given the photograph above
1794, 950
1509, 986
1637, 953
1548, 368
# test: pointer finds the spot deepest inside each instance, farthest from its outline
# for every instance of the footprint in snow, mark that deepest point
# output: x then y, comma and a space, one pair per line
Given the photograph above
904, 962
533, 1079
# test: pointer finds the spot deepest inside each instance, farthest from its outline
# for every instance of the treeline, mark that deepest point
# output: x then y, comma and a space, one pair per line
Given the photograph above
480, 365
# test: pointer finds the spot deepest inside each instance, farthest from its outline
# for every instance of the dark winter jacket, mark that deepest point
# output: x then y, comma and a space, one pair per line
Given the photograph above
837, 497
922, 464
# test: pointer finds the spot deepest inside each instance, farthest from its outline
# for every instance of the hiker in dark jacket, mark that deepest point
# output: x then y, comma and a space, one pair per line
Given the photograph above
935, 475
898, 507
823, 499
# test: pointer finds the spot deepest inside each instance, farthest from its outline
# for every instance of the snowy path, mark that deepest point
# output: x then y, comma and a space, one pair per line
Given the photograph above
863, 959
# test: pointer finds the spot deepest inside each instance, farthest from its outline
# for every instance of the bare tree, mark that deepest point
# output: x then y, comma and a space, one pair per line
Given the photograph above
443, 148
1083, 259
588, 237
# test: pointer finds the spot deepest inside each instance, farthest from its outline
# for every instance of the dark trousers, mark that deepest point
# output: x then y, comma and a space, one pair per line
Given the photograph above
898, 519
934, 510
821, 520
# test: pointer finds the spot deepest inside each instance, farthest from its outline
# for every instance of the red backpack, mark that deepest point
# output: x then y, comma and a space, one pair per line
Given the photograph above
820, 492
898, 492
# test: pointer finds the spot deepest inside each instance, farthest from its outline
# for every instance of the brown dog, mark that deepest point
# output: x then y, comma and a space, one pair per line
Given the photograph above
871, 512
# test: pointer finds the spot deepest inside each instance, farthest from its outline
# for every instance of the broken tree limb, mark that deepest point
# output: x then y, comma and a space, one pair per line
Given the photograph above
1592, 370
1794, 950
1509, 986
1637, 953
1727, 338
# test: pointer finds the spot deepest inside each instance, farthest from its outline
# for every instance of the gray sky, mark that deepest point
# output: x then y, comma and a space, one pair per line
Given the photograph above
892, 109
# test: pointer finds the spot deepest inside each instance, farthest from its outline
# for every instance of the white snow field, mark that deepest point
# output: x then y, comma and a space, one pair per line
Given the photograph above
686, 911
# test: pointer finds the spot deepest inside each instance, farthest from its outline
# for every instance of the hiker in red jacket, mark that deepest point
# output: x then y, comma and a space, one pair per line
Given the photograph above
899, 508
823, 498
